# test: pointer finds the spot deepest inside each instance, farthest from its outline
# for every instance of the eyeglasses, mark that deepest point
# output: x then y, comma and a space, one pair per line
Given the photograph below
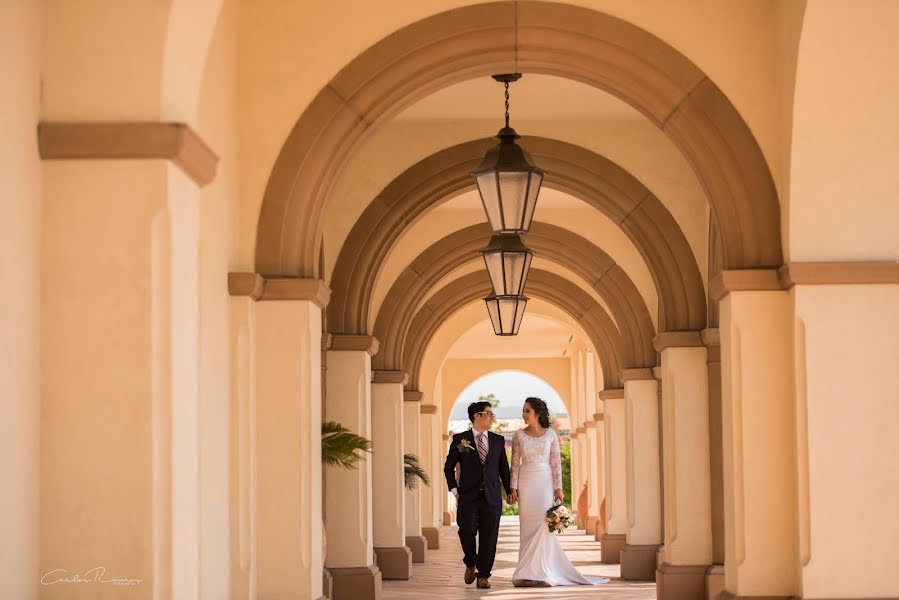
486, 412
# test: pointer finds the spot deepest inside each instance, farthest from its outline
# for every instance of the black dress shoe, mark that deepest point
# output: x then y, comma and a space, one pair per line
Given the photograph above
469, 575
483, 583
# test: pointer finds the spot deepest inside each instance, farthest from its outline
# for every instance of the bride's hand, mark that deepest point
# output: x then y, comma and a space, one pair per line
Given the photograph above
512, 498
559, 496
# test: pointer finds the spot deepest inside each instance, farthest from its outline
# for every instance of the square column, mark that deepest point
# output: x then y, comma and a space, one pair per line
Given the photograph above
432, 449
644, 494
582, 498
759, 440
599, 426
594, 473
288, 449
348, 492
412, 445
388, 480
846, 384
687, 482
616, 476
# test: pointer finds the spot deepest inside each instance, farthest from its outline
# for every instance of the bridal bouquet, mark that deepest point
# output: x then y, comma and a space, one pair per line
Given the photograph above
559, 518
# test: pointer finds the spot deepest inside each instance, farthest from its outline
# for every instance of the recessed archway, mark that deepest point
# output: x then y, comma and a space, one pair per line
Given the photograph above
553, 243
560, 292
572, 169
537, 37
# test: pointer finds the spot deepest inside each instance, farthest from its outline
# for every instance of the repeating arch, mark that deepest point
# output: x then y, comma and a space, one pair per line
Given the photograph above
572, 169
529, 37
541, 284
594, 266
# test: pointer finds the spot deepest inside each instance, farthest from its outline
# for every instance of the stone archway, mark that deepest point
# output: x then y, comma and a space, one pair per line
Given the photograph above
541, 284
530, 37
572, 169
553, 243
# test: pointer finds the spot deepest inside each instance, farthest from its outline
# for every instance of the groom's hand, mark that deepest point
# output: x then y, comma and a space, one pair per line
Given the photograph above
512, 498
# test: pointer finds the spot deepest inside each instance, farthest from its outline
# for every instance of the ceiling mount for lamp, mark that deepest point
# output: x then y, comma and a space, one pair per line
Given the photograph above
508, 180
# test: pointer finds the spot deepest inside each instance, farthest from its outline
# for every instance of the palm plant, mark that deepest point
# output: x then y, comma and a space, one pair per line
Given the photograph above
341, 447
413, 472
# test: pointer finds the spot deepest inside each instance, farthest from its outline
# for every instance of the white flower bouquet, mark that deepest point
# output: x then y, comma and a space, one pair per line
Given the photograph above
559, 518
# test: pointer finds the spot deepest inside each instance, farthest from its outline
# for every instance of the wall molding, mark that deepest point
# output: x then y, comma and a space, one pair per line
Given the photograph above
260, 288
134, 140
803, 273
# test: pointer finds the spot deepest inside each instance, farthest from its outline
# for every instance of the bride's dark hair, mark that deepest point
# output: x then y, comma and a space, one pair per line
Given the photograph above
539, 407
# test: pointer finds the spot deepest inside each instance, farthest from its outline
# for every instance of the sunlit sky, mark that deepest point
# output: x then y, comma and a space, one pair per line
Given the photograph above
511, 387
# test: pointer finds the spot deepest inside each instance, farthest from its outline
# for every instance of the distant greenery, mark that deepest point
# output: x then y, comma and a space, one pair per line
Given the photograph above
508, 509
566, 472
413, 472
491, 398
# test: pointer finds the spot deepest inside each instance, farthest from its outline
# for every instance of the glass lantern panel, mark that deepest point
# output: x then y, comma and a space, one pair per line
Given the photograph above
533, 192
488, 191
519, 314
493, 311
494, 263
527, 268
507, 311
514, 188
515, 265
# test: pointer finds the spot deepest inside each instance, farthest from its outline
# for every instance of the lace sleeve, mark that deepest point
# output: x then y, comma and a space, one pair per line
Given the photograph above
516, 458
555, 461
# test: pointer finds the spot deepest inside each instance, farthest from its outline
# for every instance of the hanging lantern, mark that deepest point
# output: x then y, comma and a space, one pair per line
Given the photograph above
506, 313
508, 180
508, 261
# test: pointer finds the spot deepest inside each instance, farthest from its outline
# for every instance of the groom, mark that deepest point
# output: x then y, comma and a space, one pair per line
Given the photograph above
482, 458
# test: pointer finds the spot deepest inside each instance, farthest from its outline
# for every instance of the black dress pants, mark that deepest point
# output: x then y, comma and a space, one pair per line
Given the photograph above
475, 517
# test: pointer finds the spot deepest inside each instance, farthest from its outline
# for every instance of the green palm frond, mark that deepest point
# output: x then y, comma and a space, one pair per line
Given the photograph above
341, 447
413, 472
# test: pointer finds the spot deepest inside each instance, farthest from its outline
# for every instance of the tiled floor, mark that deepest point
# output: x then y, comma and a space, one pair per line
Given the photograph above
440, 577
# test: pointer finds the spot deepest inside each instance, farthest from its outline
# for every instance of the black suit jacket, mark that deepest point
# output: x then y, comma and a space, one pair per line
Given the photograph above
474, 476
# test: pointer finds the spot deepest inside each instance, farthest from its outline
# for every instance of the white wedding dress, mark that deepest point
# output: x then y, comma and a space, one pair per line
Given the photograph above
536, 473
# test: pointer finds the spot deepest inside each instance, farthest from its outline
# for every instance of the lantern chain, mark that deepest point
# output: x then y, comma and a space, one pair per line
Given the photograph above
507, 104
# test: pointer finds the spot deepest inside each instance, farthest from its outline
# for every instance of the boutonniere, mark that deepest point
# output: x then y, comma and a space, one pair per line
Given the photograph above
464, 446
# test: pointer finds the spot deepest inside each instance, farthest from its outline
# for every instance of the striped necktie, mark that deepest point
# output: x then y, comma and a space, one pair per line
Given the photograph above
482, 447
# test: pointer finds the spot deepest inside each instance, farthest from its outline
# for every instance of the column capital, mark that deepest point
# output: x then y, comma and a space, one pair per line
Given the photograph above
677, 339
599, 417
412, 395
589, 424
744, 280
635, 375
572, 435
428, 409
611, 394
138, 140
711, 337
445, 437
399, 377
257, 287
581, 430
355, 343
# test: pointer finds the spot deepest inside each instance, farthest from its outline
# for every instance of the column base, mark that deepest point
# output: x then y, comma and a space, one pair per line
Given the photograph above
327, 584
395, 563
638, 562
358, 583
447, 519
600, 531
610, 551
417, 544
714, 581
432, 535
681, 582
591, 525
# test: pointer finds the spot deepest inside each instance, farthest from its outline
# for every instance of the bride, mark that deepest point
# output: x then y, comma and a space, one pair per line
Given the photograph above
536, 482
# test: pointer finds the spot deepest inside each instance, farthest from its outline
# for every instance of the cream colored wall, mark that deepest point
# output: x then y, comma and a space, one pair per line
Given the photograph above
458, 374
289, 52
20, 240
846, 411
217, 126
845, 141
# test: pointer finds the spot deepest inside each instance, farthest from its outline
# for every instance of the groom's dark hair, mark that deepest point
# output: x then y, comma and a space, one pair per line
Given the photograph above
476, 407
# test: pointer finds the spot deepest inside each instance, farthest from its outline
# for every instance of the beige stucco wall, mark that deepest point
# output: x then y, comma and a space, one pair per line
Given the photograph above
20, 239
458, 374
